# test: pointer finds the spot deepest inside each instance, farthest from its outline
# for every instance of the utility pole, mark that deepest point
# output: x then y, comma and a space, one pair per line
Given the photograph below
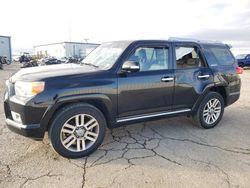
86, 40
70, 31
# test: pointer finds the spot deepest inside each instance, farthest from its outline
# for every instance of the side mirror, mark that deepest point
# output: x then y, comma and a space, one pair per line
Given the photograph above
131, 66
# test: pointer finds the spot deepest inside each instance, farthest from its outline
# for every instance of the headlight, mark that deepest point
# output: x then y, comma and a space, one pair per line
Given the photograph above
28, 89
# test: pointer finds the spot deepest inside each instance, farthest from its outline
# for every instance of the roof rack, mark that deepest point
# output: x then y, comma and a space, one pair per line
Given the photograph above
193, 40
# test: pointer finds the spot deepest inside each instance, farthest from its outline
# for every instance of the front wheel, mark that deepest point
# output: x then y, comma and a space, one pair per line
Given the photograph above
210, 111
77, 130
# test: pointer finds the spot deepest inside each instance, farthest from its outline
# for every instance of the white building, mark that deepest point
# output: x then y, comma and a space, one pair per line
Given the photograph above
65, 49
5, 47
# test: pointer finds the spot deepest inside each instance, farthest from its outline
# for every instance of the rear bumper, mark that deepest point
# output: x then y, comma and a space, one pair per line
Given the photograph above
233, 91
232, 98
32, 131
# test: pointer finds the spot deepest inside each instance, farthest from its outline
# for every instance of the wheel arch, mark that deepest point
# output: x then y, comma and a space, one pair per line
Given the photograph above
100, 101
214, 88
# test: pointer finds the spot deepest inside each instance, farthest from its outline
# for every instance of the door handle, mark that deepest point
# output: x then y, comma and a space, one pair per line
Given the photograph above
204, 76
167, 79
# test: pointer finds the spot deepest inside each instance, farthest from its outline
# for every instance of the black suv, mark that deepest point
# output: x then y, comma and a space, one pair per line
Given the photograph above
119, 83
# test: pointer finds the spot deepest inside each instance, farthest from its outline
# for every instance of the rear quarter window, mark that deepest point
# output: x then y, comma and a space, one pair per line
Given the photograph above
220, 55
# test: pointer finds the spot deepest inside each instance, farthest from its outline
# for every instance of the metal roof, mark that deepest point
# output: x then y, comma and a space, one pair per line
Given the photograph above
5, 36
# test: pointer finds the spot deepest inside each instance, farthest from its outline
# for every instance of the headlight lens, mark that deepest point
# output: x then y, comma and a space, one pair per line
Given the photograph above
28, 89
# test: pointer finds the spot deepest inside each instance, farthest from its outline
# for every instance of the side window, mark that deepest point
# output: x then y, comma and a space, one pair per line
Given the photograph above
248, 57
151, 58
188, 57
222, 55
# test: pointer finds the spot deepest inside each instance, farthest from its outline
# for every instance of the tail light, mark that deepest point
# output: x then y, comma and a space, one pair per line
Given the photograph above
239, 70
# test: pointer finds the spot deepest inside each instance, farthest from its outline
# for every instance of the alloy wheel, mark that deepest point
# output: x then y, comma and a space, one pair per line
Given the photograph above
79, 132
212, 111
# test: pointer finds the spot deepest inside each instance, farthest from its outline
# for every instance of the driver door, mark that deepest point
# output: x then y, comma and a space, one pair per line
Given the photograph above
150, 90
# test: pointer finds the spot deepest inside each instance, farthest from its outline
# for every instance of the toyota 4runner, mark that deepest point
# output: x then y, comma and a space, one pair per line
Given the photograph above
119, 83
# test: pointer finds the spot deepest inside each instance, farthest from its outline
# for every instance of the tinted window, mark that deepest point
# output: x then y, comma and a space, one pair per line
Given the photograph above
151, 58
188, 57
222, 55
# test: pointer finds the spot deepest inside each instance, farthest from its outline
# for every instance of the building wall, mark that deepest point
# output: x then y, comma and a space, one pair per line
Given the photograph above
65, 49
5, 47
56, 50
78, 49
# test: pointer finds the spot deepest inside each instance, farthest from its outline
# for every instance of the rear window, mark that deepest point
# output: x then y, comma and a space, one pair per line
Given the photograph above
222, 55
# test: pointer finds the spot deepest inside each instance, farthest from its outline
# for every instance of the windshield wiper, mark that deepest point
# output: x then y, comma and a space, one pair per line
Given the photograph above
90, 64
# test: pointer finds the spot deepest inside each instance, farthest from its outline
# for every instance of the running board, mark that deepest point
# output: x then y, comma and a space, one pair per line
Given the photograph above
131, 118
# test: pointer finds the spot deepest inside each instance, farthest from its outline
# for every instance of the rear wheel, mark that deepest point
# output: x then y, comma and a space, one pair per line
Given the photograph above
77, 130
210, 111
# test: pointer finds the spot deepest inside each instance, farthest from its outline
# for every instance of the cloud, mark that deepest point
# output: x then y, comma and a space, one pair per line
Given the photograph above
236, 37
49, 21
223, 34
241, 20
219, 6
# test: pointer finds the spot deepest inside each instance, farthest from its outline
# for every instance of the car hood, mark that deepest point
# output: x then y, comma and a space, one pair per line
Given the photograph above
43, 72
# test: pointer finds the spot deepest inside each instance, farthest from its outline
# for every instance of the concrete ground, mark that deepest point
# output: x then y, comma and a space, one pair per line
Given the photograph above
165, 153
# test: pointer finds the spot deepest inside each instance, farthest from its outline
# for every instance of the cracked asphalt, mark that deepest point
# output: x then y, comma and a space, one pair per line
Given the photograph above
164, 153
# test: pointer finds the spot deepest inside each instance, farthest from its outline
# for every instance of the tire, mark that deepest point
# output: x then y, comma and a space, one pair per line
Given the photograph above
83, 139
209, 117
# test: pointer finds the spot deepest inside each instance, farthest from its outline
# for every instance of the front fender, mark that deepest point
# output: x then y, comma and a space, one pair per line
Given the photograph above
65, 100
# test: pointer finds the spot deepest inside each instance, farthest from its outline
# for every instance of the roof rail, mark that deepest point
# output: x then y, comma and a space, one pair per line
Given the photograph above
193, 40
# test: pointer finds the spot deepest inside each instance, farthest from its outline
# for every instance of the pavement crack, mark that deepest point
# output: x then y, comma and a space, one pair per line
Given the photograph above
121, 157
36, 178
226, 175
247, 152
84, 173
99, 158
166, 158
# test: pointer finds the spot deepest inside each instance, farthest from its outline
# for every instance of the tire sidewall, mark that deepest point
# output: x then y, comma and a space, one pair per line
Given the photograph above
66, 114
208, 97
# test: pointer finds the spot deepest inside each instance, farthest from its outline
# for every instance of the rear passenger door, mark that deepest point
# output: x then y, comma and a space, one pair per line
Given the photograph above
192, 74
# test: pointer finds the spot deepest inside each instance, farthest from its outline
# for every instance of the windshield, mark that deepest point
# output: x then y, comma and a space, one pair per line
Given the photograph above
241, 56
105, 55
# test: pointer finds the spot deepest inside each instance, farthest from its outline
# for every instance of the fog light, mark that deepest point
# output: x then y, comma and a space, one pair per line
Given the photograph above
16, 117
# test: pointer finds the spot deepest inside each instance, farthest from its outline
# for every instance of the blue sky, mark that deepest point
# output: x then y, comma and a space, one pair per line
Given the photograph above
33, 22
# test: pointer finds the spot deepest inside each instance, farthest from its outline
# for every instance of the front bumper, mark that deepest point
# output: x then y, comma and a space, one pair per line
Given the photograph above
32, 131
30, 113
